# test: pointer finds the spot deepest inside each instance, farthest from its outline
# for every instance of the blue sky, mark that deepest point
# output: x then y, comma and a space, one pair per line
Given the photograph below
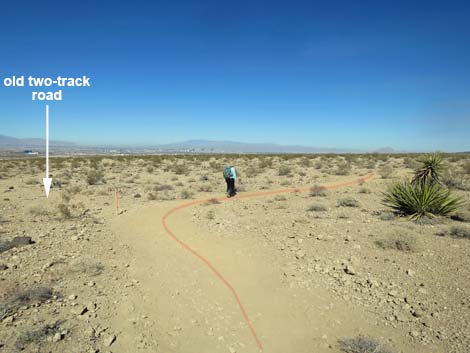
348, 74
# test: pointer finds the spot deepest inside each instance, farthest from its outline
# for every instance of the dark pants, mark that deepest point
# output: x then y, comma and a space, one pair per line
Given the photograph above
230, 186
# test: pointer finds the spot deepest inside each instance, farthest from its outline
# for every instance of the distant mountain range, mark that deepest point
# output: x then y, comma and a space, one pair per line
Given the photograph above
196, 146
28, 143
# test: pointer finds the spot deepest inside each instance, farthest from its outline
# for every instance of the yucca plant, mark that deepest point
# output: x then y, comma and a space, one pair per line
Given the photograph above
430, 171
421, 199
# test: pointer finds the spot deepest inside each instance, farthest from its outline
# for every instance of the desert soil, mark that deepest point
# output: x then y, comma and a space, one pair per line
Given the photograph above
310, 268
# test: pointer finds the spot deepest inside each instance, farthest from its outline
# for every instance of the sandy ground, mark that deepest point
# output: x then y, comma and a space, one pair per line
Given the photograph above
307, 276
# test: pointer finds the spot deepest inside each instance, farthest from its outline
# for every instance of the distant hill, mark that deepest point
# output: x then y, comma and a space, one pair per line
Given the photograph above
194, 146
30, 143
241, 147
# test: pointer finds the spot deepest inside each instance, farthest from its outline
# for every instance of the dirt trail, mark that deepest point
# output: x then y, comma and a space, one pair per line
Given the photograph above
179, 305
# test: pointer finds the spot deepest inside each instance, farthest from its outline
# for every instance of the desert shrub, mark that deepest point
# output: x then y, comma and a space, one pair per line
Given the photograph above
456, 181
466, 168
461, 216
280, 198
405, 243
387, 216
205, 188
364, 191
347, 202
360, 345
91, 269
343, 169
284, 170
151, 196
179, 169
265, 163
150, 169
305, 162
317, 191
24, 297
186, 194
163, 187
460, 232
421, 199
316, 208
212, 201
210, 214
39, 210
31, 181
385, 172
64, 211
410, 163
94, 177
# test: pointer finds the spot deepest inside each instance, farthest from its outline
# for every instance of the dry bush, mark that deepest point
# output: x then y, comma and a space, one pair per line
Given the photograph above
205, 188
64, 211
285, 170
316, 208
460, 232
186, 194
31, 181
94, 177
39, 210
22, 297
37, 335
405, 243
360, 345
343, 169
347, 202
385, 172
318, 191
210, 215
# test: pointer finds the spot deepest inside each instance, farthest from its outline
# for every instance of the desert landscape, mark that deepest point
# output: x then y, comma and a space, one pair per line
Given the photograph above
318, 259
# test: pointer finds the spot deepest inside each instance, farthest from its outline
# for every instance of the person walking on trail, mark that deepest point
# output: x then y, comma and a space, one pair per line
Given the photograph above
230, 175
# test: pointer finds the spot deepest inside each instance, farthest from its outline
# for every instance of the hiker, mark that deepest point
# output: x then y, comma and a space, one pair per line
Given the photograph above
230, 175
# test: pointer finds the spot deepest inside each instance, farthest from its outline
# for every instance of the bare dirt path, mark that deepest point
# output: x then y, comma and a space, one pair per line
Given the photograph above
180, 305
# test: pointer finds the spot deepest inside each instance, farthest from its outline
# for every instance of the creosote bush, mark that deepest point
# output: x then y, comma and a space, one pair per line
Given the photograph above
348, 202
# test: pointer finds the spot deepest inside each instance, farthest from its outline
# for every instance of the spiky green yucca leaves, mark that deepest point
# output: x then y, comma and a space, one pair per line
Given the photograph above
421, 199
430, 171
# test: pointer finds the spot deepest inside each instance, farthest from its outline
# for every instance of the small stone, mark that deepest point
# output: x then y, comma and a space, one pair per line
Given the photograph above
232, 350
90, 284
72, 297
3, 267
57, 337
300, 254
350, 270
74, 238
393, 293
414, 333
80, 310
410, 273
108, 341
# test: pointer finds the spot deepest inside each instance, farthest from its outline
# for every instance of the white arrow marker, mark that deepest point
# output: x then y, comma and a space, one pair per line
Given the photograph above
47, 181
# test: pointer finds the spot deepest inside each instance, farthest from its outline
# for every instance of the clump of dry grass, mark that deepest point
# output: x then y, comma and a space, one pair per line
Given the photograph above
347, 202
24, 297
405, 243
360, 345
318, 191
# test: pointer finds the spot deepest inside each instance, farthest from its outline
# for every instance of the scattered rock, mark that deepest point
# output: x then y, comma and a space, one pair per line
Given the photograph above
3, 267
57, 337
109, 340
350, 270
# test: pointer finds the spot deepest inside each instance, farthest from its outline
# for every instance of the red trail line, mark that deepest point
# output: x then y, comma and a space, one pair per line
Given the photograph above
244, 196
